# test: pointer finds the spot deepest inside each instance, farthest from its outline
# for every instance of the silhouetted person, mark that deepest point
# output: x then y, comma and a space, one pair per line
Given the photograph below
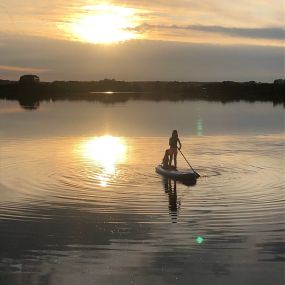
173, 141
166, 159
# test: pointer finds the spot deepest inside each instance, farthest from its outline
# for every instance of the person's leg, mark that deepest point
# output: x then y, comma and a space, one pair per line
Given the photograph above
175, 160
170, 159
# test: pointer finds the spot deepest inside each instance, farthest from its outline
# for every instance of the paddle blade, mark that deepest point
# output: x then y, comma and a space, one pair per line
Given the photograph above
197, 174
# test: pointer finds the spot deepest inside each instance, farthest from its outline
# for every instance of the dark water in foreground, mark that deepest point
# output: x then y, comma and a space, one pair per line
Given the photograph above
80, 207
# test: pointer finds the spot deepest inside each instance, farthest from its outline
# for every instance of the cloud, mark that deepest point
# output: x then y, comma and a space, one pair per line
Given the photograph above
262, 33
257, 33
143, 60
22, 69
191, 20
254, 13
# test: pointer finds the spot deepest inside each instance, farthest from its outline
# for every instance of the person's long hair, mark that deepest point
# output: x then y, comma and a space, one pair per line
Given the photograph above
174, 134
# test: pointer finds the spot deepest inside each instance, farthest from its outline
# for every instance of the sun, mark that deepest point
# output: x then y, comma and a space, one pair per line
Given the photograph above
103, 24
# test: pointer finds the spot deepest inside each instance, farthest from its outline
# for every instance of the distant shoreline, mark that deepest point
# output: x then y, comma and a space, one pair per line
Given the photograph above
112, 91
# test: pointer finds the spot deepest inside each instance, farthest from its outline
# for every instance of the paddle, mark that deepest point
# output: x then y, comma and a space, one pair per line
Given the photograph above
197, 174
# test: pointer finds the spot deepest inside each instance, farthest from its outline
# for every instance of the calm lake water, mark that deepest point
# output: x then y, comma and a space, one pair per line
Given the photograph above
80, 202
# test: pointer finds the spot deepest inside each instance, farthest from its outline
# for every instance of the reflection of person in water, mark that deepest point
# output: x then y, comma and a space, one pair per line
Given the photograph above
173, 203
172, 198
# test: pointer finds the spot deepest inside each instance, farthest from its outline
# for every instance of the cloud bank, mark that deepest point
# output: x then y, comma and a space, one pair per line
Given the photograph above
141, 60
257, 33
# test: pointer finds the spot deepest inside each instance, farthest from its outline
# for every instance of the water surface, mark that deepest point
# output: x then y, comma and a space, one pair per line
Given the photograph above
80, 207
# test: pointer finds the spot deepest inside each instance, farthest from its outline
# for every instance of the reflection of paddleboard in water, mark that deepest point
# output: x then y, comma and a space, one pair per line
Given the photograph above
176, 174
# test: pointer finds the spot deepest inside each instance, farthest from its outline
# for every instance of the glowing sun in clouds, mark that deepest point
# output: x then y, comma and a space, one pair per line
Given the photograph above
104, 24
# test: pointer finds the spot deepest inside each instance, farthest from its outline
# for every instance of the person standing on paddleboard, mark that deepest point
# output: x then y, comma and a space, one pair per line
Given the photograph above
173, 141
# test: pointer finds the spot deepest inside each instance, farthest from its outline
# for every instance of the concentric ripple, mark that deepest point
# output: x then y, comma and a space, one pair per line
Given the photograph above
61, 199
247, 178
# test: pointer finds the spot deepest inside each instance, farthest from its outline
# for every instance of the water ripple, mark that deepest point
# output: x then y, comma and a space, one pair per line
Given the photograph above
238, 196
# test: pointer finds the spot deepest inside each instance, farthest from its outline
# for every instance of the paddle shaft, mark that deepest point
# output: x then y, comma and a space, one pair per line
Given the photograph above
186, 159
188, 162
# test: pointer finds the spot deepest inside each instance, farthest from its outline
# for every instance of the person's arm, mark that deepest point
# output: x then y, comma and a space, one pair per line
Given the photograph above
180, 145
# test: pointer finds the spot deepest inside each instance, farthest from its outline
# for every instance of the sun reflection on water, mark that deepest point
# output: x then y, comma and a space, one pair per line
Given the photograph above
106, 151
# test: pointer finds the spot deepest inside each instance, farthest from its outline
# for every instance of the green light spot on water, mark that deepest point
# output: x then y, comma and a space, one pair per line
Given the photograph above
199, 126
199, 240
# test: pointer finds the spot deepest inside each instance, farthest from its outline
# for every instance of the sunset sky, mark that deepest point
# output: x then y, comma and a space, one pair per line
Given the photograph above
185, 40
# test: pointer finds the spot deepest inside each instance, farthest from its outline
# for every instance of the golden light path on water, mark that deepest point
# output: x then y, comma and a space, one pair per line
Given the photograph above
102, 24
105, 151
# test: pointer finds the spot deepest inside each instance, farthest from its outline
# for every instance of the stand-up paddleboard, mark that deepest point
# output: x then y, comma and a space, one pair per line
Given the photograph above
176, 174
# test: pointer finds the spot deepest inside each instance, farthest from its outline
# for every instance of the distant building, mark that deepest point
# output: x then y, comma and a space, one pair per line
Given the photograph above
29, 79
